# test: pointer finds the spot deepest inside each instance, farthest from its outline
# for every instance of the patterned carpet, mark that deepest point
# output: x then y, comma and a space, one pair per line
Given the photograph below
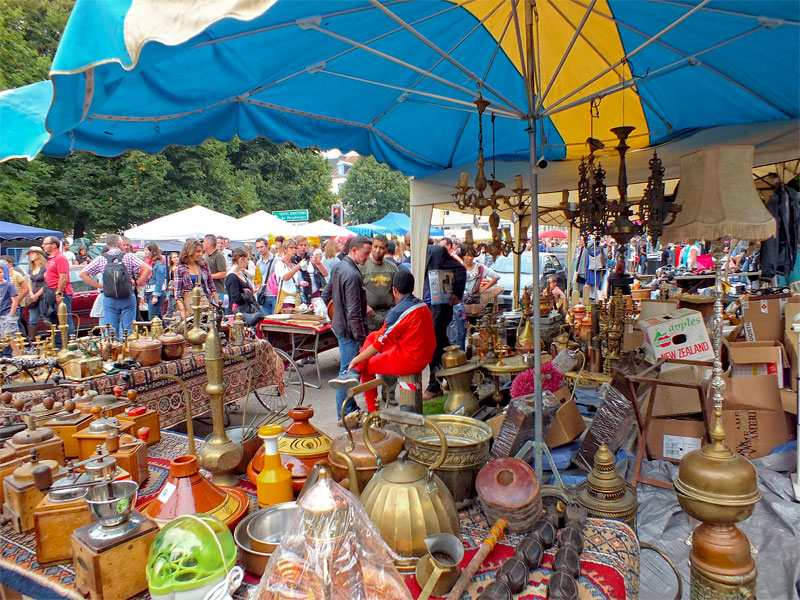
610, 561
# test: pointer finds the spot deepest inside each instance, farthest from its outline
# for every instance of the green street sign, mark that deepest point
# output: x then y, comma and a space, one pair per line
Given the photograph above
292, 216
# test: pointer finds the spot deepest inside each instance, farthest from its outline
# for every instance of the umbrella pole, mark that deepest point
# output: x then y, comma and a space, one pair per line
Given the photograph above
539, 446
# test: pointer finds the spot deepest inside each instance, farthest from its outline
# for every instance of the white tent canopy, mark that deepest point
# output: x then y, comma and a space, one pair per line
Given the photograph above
260, 224
322, 229
171, 231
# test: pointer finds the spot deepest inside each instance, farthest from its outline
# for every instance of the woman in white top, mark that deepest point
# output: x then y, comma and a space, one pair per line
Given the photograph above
288, 279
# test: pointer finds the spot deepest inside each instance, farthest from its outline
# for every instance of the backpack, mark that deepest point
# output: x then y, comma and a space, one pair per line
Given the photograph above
116, 280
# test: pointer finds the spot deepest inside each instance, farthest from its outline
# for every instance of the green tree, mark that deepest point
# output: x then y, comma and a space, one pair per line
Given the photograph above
285, 176
372, 190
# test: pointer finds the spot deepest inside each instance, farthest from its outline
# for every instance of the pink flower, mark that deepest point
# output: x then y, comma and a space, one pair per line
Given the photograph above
523, 385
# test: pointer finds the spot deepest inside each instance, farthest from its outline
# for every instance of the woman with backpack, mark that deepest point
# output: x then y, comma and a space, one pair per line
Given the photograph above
239, 288
155, 288
193, 271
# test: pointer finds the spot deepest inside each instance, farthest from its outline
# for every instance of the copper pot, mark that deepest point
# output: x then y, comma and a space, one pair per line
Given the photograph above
388, 445
145, 351
172, 345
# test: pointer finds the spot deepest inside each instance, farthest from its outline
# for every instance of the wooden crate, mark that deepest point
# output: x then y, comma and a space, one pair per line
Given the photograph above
54, 523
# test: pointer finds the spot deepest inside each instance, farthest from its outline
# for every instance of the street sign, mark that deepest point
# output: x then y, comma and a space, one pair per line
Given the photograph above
296, 215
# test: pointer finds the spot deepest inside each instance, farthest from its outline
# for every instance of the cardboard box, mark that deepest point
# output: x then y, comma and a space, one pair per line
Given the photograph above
671, 401
791, 310
789, 401
632, 337
752, 415
763, 318
441, 284
680, 334
566, 426
670, 439
756, 358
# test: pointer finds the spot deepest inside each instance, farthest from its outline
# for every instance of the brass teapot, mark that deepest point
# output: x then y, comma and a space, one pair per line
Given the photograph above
405, 500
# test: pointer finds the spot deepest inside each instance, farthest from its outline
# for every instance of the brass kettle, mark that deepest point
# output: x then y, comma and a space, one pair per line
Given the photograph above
406, 501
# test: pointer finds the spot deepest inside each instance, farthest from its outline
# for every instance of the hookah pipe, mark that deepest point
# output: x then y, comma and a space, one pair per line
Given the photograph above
487, 545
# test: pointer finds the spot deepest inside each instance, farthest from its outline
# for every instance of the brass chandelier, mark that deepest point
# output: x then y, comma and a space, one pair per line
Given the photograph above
473, 198
594, 215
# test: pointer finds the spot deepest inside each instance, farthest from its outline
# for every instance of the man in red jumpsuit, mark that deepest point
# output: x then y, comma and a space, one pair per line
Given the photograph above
403, 346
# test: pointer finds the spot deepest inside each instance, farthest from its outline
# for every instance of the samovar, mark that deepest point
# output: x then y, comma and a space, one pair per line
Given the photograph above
605, 494
219, 454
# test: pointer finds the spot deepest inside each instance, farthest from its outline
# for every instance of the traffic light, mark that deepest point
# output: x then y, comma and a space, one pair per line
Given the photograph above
337, 215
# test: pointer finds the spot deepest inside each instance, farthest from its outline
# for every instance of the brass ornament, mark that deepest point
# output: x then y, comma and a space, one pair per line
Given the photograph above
605, 493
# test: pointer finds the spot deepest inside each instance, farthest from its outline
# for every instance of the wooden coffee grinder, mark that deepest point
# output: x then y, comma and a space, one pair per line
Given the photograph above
23, 490
111, 554
66, 424
63, 509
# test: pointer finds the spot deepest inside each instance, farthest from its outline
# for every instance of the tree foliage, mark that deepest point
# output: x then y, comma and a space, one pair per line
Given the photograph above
372, 190
88, 194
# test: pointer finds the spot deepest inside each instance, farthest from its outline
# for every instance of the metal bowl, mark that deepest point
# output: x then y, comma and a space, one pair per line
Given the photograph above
115, 510
254, 562
267, 526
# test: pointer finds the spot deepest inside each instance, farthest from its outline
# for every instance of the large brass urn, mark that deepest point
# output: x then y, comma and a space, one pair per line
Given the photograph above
719, 487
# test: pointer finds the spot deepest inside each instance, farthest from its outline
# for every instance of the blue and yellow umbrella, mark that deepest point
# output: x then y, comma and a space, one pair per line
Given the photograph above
398, 79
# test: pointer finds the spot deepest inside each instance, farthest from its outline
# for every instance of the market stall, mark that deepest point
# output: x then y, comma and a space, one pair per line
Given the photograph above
452, 95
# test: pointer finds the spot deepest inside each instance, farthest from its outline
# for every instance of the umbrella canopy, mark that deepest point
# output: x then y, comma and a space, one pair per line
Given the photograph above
396, 223
322, 229
261, 224
15, 231
553, 234
172, 230
398, 79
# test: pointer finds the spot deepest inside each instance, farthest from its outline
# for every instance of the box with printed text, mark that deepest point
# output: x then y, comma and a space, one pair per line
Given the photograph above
679, 334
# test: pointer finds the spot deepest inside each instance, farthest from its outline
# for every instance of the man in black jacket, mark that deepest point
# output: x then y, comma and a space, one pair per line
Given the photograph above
349, 309
439, 259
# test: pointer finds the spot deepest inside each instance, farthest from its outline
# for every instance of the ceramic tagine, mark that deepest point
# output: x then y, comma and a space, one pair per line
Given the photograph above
186, 491
301, 446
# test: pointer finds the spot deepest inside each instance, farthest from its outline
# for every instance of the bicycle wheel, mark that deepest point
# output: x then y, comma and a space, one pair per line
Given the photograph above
289, 392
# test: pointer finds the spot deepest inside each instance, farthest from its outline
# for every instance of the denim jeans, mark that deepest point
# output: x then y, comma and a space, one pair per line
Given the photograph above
268, 307
153, 310
348, 350
120, 313
34, 315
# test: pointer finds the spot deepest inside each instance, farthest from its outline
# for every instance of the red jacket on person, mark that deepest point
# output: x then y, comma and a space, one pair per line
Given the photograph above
410, 332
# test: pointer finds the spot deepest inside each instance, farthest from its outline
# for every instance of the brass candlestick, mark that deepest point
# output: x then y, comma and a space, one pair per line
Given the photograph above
219, 454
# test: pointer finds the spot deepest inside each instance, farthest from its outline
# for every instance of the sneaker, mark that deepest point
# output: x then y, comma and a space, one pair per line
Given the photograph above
348, 379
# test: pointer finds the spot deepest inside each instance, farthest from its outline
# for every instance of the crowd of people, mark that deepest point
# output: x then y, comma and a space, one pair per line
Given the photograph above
364, 284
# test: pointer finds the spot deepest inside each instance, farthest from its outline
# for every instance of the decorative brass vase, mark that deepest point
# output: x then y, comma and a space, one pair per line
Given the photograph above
220, 455
605, 494
196, 336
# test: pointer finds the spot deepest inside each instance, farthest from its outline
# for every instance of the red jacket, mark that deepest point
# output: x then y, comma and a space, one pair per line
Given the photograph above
411, 332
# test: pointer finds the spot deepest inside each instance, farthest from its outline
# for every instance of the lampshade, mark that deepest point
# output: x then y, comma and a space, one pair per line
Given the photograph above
719, 199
